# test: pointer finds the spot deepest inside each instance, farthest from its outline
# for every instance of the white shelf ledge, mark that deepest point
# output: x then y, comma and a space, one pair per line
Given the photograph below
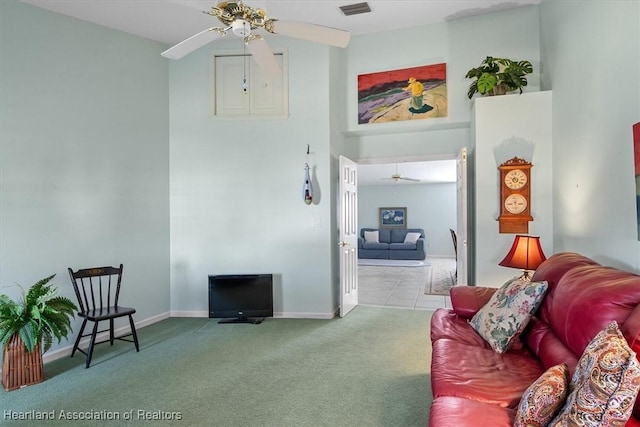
404, 127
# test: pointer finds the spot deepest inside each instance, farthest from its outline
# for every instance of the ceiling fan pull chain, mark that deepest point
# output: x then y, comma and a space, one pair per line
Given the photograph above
244, 68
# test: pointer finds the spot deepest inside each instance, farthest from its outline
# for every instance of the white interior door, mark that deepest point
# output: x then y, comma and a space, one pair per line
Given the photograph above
461, 167
348, 219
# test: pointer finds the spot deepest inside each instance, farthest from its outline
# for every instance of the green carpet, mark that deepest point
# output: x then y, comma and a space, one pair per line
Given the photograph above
369, 369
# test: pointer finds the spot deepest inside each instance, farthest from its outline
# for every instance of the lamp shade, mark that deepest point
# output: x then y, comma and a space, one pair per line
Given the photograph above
525, 253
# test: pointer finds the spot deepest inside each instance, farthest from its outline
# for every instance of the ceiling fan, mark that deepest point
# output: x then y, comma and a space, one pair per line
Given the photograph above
242, 20
398, 177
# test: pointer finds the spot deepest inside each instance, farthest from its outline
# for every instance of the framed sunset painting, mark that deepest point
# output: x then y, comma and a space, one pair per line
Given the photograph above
404, 94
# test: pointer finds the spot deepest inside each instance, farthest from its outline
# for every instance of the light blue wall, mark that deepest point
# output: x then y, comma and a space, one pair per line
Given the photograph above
431, 207
592, 64
75, 90
236, 187
84, 154
462, 44
506, 127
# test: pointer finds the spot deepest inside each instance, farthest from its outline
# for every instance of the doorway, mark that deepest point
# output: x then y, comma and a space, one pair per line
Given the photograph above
427, 187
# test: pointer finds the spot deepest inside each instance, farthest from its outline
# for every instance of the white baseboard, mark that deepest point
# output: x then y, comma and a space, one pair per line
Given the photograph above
296, 315
197, 313
276, 315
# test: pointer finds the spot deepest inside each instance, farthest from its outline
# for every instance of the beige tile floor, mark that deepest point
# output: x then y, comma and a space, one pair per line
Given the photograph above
399, 287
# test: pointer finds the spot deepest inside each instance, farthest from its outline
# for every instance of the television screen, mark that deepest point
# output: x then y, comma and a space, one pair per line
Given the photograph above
241, 298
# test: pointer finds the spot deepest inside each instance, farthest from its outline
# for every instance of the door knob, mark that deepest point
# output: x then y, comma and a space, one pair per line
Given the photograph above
343, 244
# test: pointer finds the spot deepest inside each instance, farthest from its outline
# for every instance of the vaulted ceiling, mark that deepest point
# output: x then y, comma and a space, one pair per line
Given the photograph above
171, 21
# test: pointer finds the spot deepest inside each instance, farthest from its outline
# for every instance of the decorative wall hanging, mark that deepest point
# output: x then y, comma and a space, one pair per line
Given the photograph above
307, 188
405, 94
392, 217
515, 196
636, 153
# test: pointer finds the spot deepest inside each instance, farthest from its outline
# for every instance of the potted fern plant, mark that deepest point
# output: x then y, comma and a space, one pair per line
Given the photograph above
29, 325
497, 76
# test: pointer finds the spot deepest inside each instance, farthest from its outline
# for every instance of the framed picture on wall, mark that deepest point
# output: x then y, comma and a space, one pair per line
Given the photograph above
392, 217
403, 94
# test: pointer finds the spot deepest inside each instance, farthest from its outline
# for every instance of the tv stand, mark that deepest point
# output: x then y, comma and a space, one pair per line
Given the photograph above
251, 320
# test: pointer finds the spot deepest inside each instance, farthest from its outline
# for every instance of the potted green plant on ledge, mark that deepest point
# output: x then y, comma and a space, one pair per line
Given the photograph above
497, 76
26, 326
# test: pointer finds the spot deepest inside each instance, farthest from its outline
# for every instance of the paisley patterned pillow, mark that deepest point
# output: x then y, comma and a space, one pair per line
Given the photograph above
501, 320
542, 399
605, 384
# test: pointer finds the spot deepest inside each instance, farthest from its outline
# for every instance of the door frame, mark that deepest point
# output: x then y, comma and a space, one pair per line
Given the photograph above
426, 158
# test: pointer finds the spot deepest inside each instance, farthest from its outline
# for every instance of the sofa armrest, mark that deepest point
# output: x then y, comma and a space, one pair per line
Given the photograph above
360, 242
467, 300
420, 244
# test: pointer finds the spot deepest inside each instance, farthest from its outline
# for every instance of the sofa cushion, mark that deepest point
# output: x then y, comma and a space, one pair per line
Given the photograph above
445, 324
411, 238
459, 412
605, 384
586, 299
546, 345
467, 300
505, 316
402, 246
544, 398
375, 245
384, 235
372, 236
481, 374
397, 236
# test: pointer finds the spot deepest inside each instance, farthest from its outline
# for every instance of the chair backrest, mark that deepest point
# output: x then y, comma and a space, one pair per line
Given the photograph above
96, 288
454, 238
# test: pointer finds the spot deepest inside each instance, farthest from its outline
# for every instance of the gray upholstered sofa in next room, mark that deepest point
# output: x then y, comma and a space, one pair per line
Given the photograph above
385, 243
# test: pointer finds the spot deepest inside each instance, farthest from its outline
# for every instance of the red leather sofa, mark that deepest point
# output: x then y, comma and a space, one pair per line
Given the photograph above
474, 386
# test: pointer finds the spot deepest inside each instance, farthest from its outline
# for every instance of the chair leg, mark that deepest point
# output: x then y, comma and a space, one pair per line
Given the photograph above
111, 331
75, 346
91, 344
133, 332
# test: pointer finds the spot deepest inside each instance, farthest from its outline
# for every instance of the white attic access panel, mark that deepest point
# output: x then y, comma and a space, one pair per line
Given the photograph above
261, 95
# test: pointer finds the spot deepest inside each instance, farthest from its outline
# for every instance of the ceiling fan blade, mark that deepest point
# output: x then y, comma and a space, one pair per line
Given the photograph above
263, 56
409, 179
312, 32
194, 42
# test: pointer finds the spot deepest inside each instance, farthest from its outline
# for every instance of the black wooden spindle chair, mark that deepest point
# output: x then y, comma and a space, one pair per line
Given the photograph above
454, 239
98, 290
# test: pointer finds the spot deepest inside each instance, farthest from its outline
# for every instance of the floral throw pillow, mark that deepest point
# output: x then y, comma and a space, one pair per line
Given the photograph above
605, 384
544, 398
501, 320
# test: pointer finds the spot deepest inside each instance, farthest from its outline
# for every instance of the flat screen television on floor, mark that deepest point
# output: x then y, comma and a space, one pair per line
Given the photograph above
241, 298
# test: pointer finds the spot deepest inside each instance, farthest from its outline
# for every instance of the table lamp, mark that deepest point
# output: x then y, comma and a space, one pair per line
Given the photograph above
525, 253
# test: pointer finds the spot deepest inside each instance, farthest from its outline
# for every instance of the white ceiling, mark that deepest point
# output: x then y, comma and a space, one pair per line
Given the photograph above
428, 172
171, 21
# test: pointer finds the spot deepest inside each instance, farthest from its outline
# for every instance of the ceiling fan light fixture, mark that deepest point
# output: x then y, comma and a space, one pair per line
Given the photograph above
242, 20
241, 28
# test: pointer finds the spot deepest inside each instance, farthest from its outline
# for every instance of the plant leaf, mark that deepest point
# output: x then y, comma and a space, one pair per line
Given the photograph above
486, 82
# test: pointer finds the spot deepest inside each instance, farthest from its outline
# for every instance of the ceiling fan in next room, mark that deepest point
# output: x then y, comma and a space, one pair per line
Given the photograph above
398, 177
242, 20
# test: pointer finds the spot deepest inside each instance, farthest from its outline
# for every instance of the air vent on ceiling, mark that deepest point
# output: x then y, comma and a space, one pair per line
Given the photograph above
355, 9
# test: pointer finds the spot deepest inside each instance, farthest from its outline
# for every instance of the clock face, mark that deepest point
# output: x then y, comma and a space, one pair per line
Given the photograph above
515, 179
515, 204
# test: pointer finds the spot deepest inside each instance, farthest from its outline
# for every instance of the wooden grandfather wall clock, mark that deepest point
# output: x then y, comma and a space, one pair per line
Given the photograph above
515, 196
